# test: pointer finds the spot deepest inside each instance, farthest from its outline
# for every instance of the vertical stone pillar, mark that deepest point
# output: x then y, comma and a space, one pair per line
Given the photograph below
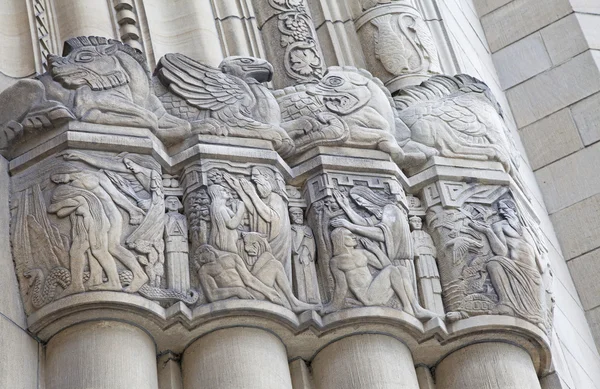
236, 358
397, 43
290, 41
237, 27
111, 355
180, 26
487, 365
365, 362
78, 18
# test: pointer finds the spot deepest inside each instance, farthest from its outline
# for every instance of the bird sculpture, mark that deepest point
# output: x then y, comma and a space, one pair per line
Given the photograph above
231, 100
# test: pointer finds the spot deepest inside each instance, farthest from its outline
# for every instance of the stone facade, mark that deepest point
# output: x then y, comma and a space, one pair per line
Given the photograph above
300, 194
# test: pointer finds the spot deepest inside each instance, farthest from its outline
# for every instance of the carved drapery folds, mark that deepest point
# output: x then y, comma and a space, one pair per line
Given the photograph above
293, 198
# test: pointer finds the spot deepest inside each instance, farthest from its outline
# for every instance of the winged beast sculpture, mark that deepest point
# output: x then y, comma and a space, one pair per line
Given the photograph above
228, 101
456, 117
98, 80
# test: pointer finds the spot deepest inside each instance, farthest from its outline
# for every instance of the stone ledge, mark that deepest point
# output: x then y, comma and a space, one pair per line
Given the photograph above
303, 335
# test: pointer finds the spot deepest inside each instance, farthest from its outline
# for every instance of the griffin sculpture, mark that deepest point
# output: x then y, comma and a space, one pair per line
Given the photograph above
228, 101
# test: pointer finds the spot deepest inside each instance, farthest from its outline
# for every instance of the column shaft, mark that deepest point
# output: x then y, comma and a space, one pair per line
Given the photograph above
365, 362
236, 358
487, 366
101, 355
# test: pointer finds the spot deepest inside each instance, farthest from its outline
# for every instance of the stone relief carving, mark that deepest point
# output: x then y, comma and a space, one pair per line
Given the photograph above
98, 80
365, 250
304, 255
404, 44
456, 117
302, 58
105, 225
242, 247
490, 263
229, 101
348, 107
176, 246
428, 276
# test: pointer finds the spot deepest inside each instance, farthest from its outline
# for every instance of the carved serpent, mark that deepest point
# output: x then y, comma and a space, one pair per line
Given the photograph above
43, 289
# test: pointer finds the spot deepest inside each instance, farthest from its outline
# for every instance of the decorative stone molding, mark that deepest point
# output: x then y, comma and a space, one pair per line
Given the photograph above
290, 41
306, 211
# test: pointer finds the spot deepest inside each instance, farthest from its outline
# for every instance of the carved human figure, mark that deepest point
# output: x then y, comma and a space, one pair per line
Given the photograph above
148, 237
303, 258
176, 245
89, 233
224, 275
388, 226
264, 266
266, 205
109, 197
350, 269
428, 276
223, 220
513, 270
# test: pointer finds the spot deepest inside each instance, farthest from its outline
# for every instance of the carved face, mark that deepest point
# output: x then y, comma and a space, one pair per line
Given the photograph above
297, 216
343, 92
173, 204
61, 178
416, 223
251, 247
134, 167
248, 67
350, 239
94, 66
262, 183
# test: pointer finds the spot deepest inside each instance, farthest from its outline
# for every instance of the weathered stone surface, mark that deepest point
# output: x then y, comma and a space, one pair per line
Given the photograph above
578, 227
101, 354
520, 18
565, 39
551, 138
555, 89
20, 363
584, 269
493, 365
587, 117
380, 361
484, 7
255, 359
521, 60
577, 170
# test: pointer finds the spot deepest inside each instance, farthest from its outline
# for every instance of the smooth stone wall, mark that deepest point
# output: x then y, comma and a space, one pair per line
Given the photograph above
101, 355
365, 362
487, 366
236, 358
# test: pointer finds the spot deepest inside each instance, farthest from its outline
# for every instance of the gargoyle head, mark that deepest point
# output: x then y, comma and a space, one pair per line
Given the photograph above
247, 68
90, 61
343, 92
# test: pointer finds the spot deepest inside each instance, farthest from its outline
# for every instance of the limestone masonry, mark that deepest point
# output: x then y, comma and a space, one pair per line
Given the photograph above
299, 194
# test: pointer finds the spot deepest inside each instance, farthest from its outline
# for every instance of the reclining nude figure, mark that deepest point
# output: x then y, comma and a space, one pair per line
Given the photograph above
350, 270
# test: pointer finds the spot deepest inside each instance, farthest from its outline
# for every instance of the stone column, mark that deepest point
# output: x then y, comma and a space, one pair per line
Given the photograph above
104, 354
487, 365
247, 358
365, 362
78, 18
237, 27
290, 41
397, 43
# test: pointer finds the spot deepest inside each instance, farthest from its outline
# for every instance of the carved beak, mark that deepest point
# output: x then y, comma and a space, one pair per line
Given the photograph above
261, 72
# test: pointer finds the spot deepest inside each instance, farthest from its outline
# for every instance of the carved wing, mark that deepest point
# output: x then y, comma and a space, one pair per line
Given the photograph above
202, 86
